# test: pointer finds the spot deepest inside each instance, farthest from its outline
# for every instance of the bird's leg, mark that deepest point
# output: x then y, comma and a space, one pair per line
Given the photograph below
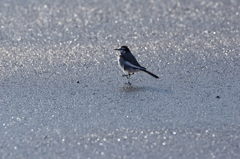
128, 77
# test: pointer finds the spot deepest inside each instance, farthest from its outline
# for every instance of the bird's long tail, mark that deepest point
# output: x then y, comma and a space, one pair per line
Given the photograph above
150, 73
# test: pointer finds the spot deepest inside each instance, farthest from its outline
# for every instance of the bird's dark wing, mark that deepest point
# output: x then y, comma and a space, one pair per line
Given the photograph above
130, 58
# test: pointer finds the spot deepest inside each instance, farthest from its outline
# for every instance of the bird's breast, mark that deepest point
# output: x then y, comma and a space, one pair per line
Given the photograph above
121, 62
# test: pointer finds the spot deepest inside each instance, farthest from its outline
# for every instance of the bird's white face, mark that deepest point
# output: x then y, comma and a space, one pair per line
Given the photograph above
122, 51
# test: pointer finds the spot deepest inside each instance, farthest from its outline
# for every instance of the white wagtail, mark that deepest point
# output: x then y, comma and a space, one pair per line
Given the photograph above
129, 64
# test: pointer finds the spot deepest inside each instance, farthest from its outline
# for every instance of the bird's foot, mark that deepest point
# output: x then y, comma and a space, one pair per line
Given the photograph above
129, 83
124, 75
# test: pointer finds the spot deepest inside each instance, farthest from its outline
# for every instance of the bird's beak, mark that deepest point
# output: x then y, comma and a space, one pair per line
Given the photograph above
117, 49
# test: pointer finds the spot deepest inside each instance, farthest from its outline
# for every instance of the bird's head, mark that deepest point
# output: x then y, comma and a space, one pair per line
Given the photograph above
123, 49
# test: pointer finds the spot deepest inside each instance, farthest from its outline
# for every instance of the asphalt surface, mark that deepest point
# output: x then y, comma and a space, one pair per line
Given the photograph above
62, 94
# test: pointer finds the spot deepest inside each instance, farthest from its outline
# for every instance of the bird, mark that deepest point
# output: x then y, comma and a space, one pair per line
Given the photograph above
129, 64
